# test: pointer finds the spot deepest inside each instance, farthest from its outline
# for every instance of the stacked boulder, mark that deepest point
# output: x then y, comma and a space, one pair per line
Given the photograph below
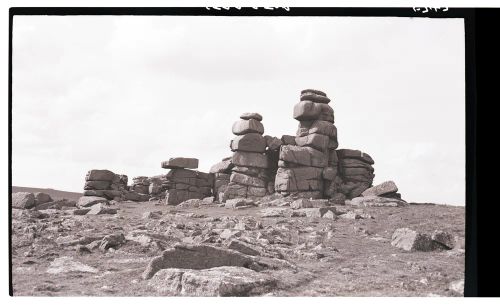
222, 173
158, 185
305, 168
105, 183
249, 176
139, 190
140, 185
356, 170
184, 183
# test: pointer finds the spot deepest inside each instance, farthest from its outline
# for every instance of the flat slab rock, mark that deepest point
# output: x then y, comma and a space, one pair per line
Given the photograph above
198, 257
251, 115
89, 201
219, 281
380, 189
375, 201
178, 162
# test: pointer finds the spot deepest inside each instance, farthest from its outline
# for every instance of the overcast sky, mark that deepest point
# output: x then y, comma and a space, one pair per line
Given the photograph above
126, 92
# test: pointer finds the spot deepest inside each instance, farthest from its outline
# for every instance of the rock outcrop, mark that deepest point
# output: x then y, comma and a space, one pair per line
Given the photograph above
183, 184
105, 183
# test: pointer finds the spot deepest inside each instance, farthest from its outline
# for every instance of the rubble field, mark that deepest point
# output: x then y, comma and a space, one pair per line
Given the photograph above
272, 247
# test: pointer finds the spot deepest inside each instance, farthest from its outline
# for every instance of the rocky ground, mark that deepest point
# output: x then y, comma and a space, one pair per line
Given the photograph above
266, 248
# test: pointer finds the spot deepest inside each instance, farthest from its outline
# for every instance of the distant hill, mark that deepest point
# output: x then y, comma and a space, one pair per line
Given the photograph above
55, 194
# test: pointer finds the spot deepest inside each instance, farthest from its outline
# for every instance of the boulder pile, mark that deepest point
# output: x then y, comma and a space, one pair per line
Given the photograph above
183, 183
140, 185
105, 183
304, 168
249, 176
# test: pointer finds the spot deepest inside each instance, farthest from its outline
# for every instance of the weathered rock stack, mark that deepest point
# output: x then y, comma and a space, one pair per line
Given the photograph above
356, 170
222, 173
105, 183
140, 185
184, 183
249, 177
158, 186
305, 168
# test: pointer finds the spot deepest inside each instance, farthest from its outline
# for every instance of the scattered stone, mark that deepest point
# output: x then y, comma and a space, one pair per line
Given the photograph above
82, 211
457, 286
152, 215
276, 212
351, 215
208, 200
301, 203
243, 247
239, 202
112, 241
218, 281
444, 238
23, 200
101, 208
381, 189
67, 265
175, 163
191, 203
410, 240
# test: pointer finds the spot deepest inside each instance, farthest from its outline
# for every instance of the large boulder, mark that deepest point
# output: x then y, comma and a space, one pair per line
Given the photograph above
97, 185
251, 115
380, 189
222, 167
305, 156
42, 198
315, 98
219, 281
312, 91
247, 180
23, 200
317, 126
178, 162
326, 113
245, 126
411, 240
298, 179
273, 143
288, 140
355, 154
100, 175
251, 142
250, 159
315, 140
307, 110
354, 163
89, 201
